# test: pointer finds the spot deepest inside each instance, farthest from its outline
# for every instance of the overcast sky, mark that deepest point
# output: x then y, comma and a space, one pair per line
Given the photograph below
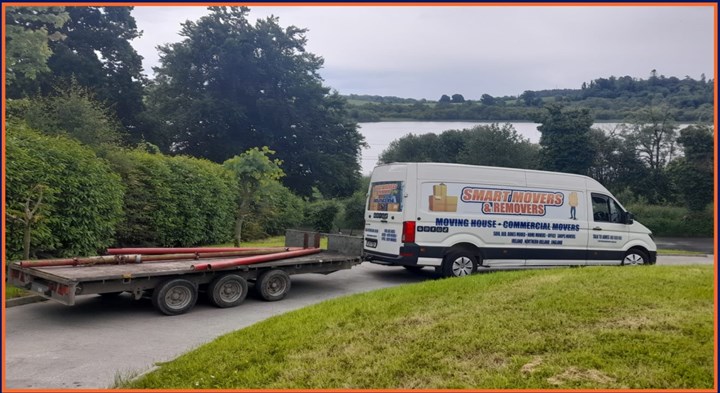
427, 51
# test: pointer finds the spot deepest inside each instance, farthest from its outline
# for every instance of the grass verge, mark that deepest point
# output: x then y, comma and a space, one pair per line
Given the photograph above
12, 292
596, 328
679, 252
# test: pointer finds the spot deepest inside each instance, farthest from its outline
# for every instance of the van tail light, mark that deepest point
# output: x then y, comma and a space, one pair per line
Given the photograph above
408, 232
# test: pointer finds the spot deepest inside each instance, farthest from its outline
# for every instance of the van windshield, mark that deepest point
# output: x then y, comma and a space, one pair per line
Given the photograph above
386, 196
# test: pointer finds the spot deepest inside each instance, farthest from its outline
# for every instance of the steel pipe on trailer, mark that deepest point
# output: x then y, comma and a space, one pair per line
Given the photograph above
255, 259
185, 250
99, 260
137, 258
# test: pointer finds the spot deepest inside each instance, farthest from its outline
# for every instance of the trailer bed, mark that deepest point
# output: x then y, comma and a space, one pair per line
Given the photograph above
79, 274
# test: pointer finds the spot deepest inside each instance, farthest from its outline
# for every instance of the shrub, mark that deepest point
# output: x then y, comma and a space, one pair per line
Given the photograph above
674, 220
321, 215
81, 196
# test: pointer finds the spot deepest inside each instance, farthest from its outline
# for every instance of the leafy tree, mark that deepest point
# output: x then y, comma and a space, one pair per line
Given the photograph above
252, 170
693, 173
615, 163
498, 146
74, 112
28, 31
229, 86
97, 53
457, 98
530, 98
444, 99
487, 99
565, 140
653, 131
321, 214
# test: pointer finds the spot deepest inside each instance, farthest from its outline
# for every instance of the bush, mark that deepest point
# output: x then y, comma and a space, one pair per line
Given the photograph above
673, 220
321, 215
174, 201
81, 196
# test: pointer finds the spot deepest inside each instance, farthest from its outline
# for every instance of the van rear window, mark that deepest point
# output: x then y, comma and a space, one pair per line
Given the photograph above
386, 196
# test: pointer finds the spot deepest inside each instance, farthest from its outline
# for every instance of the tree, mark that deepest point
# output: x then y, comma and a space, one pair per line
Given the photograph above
565, 140
498, 146
615, 163
652, 131
444, 99
97, 53
457, 99
229, 86
487, 99
252, 170
530, 98
693, 173
73, 111
28, 31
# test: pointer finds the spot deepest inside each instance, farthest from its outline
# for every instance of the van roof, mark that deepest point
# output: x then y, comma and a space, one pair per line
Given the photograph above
446, 164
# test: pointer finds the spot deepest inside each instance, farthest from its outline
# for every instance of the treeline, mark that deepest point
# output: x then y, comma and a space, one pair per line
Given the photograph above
665, 174
226, 86
618, 99
98, 155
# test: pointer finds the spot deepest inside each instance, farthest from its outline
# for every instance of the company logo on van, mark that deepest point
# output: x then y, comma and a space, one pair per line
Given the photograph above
514, 202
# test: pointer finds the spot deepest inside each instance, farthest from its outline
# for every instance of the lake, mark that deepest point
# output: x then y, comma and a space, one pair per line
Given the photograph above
379, 134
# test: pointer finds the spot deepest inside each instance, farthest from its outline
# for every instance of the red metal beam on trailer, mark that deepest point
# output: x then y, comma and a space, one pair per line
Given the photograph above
176, 250
255, 259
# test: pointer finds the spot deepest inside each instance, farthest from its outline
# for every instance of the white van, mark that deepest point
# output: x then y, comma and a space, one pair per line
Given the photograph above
459, 217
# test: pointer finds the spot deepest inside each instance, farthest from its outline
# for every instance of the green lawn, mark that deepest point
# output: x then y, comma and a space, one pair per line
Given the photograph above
590, 328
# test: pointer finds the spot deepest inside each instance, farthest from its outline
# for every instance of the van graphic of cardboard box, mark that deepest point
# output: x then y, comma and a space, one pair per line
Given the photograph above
439, 201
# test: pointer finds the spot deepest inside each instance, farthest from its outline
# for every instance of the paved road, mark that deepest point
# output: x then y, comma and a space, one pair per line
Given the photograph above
700, 244
49, 345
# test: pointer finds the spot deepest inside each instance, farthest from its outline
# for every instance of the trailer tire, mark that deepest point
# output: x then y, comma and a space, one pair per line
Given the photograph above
273, 285
228, 290
175, 296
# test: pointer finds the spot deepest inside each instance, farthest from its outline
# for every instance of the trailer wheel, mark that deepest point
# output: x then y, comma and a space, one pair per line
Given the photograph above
273, 285
227, 291
175, 296
459, 264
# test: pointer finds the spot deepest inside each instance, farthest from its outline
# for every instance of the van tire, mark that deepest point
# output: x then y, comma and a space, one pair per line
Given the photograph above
635, 256
459, 264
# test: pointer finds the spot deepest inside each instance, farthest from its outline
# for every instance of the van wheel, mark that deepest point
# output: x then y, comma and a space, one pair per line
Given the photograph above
459, 264
635, 257
227, 291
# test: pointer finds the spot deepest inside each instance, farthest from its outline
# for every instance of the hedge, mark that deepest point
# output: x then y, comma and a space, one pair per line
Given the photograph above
174, 201
81, 195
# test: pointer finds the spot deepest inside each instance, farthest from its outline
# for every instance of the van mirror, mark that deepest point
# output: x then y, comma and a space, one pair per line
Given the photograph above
629, 218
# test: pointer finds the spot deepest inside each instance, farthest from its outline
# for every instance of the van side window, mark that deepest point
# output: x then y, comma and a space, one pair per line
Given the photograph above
605, 209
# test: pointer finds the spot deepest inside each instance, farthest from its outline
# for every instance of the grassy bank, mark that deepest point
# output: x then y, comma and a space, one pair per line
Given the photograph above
595, 327
674, 221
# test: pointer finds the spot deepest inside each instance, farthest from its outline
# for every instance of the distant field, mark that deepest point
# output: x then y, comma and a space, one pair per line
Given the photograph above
647, 327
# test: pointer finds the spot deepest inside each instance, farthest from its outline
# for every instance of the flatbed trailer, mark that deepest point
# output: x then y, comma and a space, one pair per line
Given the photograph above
175, 285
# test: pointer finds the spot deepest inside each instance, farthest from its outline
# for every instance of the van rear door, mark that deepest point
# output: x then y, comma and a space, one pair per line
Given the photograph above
385, 209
